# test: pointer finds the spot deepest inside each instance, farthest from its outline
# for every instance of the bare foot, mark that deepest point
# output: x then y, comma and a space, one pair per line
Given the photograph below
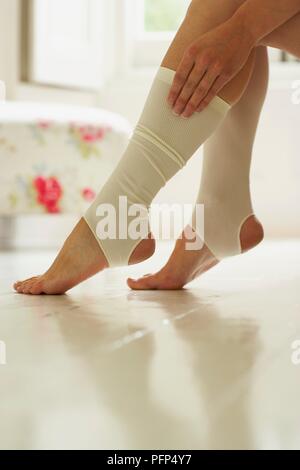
184, 266
80, 258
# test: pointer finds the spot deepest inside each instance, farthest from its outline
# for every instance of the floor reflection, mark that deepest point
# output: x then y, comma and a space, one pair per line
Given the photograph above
221, 356
120, 376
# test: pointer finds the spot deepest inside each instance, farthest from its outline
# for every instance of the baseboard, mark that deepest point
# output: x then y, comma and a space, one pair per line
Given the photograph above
35, 231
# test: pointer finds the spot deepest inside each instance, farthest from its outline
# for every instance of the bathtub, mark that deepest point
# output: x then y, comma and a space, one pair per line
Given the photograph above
53, 160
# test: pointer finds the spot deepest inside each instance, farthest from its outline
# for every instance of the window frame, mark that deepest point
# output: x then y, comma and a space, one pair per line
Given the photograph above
85, 65
128, 50
146, 47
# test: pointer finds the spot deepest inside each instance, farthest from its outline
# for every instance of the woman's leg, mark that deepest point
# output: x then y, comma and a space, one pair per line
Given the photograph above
81, 256
184, 266
286, 37
229, 220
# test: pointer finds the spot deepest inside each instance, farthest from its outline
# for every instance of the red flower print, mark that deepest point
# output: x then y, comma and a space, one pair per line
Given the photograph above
49, 192
88, 194
92, 134
44, 124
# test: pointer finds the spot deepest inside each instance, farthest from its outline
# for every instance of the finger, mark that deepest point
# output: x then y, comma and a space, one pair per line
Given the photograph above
180, 78
201, 91
215, 89
188, 90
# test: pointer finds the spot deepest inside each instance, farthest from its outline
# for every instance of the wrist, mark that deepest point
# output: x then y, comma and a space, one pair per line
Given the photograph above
245, 28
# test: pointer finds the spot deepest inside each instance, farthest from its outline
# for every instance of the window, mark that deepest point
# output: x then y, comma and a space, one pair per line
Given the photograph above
155, 23
163, 15
69, 42
83, 43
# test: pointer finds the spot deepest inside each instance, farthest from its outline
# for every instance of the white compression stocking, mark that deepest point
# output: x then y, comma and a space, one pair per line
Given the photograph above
225, 186
161, 145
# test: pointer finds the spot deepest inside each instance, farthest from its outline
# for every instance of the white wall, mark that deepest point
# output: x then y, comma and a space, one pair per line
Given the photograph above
276, 168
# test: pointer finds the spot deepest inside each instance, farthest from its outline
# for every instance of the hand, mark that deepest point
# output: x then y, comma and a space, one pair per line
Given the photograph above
208, 64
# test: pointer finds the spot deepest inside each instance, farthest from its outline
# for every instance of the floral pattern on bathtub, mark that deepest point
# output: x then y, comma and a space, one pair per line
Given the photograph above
40, 129
38, 193
85, 138
6, 145
44, 194
88, 194
54, 168
48, 193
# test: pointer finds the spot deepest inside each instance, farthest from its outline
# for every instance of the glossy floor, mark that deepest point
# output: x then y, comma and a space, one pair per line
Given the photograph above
102, 367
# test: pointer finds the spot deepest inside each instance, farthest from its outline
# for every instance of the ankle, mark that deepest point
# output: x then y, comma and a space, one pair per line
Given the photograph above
144, 250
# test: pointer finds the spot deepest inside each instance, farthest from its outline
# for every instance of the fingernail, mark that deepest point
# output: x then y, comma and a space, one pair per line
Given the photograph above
186, 114
176, 113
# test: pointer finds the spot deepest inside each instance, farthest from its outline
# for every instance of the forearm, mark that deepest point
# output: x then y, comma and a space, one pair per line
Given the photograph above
258, 18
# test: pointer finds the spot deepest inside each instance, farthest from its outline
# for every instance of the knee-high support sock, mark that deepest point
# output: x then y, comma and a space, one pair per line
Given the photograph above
161, 145
225, 185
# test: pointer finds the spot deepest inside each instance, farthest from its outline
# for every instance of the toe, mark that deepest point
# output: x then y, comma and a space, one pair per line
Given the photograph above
30, 286
26, 286
20, 288
36, 287
23, 288
162, 280
19, 284
148, 282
